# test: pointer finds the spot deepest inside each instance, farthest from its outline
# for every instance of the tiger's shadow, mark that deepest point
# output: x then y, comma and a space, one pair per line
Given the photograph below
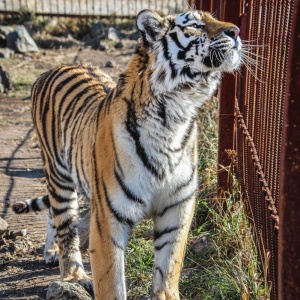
24, 172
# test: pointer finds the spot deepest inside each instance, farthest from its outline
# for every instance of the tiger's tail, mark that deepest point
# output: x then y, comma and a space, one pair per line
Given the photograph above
28, 205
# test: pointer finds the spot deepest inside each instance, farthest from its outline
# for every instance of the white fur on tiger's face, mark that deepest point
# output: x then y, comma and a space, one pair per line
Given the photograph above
187, 46
130, 148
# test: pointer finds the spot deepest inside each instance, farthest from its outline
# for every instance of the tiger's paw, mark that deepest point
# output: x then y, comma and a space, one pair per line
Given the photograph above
51, 258
51, 253
20, 207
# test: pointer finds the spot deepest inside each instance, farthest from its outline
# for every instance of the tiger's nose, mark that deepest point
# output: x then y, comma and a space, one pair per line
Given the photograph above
233, 32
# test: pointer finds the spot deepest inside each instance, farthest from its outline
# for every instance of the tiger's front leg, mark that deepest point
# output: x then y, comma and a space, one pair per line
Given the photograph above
171, 227
109, 233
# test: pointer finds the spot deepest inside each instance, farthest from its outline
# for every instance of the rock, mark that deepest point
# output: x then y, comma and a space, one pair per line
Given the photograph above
66, 291
110, 64
135, 35
202, 246
97, 30
5, 81
6, 52
20, 41
4, 31
102, 47
113, 34
3, 226
119, 45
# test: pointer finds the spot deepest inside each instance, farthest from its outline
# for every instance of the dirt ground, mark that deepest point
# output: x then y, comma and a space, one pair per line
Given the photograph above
23, 273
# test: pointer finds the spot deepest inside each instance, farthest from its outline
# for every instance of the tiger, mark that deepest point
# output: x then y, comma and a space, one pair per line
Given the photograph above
130, 147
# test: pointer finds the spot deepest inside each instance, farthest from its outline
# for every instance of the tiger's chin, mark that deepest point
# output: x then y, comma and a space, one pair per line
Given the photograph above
229, 63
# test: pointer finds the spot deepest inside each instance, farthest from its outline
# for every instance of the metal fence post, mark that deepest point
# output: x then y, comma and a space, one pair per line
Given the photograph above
289, 204
230, 12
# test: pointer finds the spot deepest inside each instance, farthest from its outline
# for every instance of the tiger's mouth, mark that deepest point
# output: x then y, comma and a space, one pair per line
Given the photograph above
226, 58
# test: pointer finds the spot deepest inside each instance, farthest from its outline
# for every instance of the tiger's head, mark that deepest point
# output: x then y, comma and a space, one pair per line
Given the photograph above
184, 47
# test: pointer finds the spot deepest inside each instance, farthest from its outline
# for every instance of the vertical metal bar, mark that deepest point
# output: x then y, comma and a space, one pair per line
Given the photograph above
289, 204
135, 7
227, 98
65, 8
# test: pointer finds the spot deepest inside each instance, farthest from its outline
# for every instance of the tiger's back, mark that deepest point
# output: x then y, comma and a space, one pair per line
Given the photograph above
65, 103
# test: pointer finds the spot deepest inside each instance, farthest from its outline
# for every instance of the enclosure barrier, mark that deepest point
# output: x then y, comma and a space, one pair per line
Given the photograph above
90, 8
260, 120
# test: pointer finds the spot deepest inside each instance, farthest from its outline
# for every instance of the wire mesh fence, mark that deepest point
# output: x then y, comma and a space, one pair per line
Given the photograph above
91, 8
258, 119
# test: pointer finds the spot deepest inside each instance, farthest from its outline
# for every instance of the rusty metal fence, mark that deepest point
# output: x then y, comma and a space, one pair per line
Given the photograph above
260, 119
90, 8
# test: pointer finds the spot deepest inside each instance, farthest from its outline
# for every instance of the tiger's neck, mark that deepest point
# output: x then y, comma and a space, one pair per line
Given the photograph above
162, 121
147, 84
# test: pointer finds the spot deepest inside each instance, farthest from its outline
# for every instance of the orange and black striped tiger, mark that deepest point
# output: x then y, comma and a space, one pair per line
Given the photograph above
130, 147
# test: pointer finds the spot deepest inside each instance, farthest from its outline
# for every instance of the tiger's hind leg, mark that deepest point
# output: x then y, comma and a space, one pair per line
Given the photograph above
51, 250
64, 206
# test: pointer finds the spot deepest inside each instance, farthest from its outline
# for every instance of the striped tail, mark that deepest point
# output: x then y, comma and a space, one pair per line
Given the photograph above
29, 205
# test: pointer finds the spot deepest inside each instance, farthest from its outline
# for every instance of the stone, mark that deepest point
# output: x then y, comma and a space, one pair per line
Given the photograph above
135, 35
110, 64
5, 30
3, 226
102, 47
97, 30
20, 41
5, 81
6, 52
119, 45
67, 291
202, 246
113, 34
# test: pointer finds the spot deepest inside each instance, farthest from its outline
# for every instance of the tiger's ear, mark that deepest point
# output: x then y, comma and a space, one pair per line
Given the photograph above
149, 24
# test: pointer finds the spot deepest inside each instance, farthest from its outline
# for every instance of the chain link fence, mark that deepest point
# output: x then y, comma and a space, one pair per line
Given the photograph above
91, 8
